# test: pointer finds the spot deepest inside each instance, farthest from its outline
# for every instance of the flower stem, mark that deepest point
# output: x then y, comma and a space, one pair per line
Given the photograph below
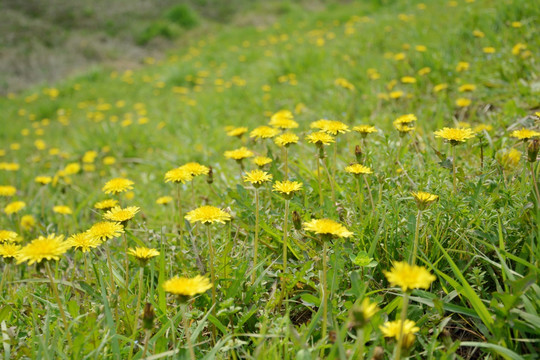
181, 220
141, 275
146, 341
112, 282
187, 333
416, 233
126, 261
60, 306
404, 308
454, 168
212, 277
324, 289
319, 180
535, 183
359, 194
286, 157
5, 274
334, 172
256, 240
285, 242
370, 195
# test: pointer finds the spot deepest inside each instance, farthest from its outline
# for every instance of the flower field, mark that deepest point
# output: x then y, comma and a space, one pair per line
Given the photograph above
352, 182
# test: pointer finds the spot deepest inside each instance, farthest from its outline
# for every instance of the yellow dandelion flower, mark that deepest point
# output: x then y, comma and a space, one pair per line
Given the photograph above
361, 314
440, 87
9, 251
396, 94
393, 328
263, 132
408, 80
239, 154
143, 254
455, 136
462, 66
424, 71
364, 130
403, 128
257, 177
8, 236
358, 169
524, 134
320, 138
9, 166
207, 215
62, 209
106, 230
178, 175
117, 185
195, 169
187, 287
117, 214
261, 161
463, 102
479, 34
423, 199
163, 200
319, 124
7, 190
72, 169
409, 277
14, 207
344, 83
83, 241
518, 48
334, 127
43, 248
516, 24
489, 50
481, 127
467, 88
405, 119
106, 204
28, 222
109, 160
286, 139
237, 131
283, 119
287, 188
508, 159
327, 227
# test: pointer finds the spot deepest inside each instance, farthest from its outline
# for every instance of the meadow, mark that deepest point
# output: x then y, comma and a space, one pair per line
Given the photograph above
352, 182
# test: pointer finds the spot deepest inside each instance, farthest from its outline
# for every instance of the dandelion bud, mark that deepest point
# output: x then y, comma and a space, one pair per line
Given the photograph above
360, 314
332, 336
210, 178
408, 341
358, 153
297, 220
446, 338
148, 317
532, 150
378, 353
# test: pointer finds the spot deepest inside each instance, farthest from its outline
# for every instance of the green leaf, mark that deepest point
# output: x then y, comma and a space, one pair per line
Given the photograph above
501, 350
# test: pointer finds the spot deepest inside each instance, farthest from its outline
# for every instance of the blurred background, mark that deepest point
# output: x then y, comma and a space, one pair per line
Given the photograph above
42, 41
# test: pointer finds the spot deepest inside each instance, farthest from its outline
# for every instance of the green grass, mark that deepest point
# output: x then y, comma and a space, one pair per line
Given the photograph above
481, 242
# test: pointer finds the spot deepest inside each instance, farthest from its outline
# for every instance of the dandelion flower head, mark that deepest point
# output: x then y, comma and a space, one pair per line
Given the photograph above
117, 185
257, 177
207, 215
43, 248
409, 277
327, 227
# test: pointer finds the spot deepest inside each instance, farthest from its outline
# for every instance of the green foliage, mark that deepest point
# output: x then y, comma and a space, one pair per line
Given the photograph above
183, 15
160, 28
481, 241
